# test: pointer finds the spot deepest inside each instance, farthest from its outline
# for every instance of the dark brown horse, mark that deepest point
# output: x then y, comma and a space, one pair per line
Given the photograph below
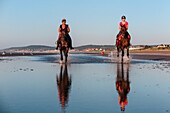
63, 46
63, 85
122, 84
123, 42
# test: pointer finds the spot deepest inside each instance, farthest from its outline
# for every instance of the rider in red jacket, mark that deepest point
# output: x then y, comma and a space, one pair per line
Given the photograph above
123, 23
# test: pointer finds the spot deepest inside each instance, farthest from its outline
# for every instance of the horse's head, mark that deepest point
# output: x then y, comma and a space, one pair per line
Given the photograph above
123, 29
62, 37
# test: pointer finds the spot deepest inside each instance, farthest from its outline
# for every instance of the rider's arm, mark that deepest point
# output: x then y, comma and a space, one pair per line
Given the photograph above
68, 29
119, 27
59, 30
127, 25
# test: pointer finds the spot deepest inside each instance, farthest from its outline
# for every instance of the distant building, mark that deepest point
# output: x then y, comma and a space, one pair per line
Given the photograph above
3, 53
136, 47
163, 46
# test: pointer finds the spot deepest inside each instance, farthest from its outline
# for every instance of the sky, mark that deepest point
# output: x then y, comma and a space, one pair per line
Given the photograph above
34, 22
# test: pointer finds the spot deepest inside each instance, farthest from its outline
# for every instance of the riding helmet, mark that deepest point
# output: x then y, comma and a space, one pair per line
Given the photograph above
123, 17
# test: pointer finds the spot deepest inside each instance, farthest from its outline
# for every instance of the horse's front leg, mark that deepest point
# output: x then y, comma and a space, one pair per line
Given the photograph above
66, 54
123, 53
128, 52
117, 52
61, 55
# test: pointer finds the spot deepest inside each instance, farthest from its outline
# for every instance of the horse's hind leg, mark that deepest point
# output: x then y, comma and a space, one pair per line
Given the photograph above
123, 53
61, 55
117, 52
128, 52
66, 55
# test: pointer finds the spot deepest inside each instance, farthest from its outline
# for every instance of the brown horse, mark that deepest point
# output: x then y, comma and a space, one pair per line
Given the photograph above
123, 42
63, 46
122, 84
63, 84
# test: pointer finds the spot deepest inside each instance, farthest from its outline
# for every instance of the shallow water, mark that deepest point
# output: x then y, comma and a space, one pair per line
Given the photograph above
87, 84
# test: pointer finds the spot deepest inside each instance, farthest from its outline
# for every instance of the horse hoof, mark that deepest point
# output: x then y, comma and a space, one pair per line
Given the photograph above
61, 62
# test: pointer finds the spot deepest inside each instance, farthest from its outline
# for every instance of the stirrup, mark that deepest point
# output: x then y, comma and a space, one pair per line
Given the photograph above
71, 48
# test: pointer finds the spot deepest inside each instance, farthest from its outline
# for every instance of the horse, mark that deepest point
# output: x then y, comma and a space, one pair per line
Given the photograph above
123, 42
63, 46
122, 84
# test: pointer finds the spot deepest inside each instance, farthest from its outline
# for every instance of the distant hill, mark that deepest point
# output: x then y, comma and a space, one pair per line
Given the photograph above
80, 48
95, 46
43, 47
32, 47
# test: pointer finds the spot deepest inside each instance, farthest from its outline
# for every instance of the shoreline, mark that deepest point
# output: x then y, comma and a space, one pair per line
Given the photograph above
159, 55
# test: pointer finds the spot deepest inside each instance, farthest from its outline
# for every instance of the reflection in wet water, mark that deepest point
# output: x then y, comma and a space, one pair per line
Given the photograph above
30, 85
86, 59
63, 85
122, 84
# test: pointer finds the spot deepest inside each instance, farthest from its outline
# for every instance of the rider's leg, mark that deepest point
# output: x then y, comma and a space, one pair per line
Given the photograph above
129, 37
117, 41
58, 43
69, 41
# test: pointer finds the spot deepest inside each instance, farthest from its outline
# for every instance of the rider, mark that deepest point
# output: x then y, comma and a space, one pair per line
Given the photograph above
123, 23
66, 29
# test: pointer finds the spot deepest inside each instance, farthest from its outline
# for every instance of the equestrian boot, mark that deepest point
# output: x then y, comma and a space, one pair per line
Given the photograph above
129, 40
129, 43
70, 43
71, 47
56, 47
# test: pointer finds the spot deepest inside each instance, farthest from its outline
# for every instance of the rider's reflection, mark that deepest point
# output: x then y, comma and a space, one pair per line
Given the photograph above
63, 85
122, 84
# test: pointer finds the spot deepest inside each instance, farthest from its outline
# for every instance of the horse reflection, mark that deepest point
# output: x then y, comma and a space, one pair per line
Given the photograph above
122, 84
63, 85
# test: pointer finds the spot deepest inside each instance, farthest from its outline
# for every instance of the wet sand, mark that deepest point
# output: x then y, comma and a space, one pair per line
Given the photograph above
87, 84
163, 55
151, 55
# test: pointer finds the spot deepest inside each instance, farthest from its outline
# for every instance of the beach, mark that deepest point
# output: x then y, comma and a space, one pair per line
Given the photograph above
152, 55
92, 75
163, 55
88, 83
